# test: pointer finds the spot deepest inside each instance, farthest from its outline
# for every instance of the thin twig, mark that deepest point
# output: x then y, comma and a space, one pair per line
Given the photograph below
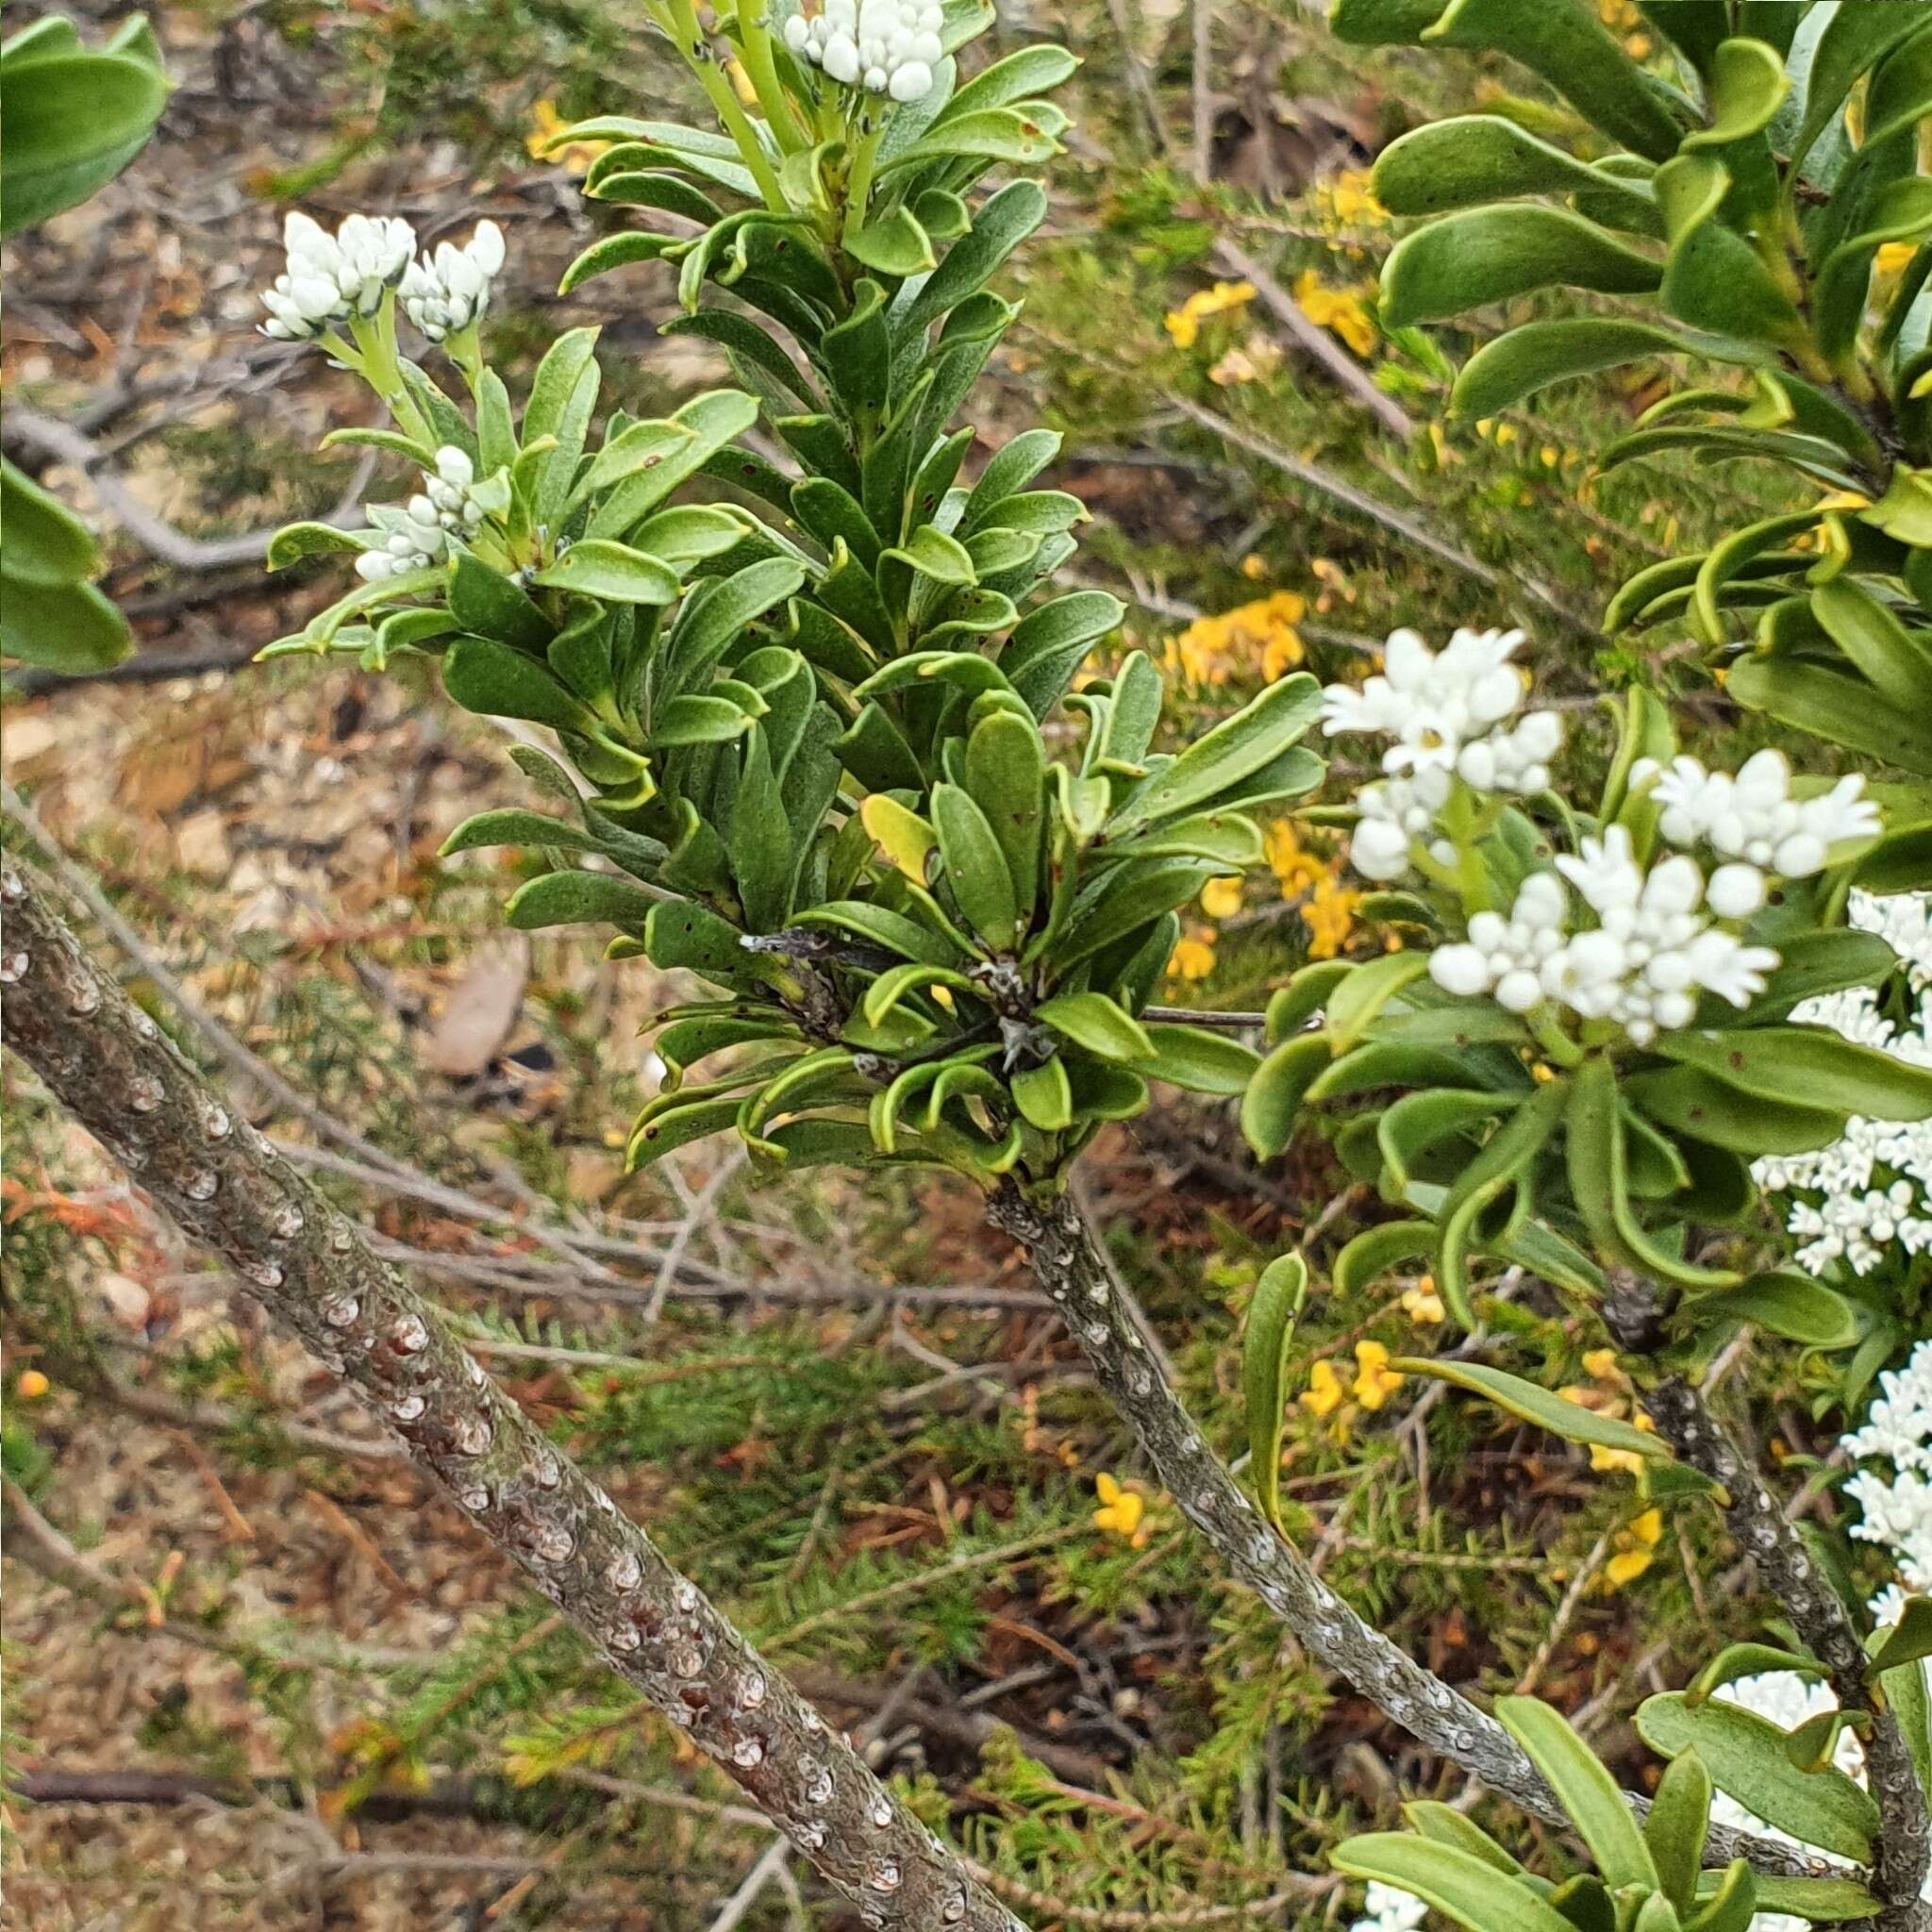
68, 444
1316, 343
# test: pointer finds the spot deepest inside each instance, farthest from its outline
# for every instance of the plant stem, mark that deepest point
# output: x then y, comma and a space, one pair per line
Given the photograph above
756, 44
1806, 1597
1069, 1266
680, 20
858, 180
303, 1261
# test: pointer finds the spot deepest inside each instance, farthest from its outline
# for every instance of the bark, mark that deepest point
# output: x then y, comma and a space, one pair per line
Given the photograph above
1071, 1269
303, 1259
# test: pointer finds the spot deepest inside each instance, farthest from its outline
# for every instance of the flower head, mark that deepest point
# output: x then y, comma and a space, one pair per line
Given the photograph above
886, 46
1375, 1380
444, 294
330, 278
451, 504
1752, 816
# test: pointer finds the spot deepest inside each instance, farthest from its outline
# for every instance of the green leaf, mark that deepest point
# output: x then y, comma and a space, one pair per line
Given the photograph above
1771, 1062
1472, 159
485, 602
1530, 1403
894, 243
1272, 1314
1445, 1826
494, 681
595, 566
1694, 1103
1371, 1253
1201, 1061
1232, 751
1599, 1183
1303, 997
66, 627
1456, 1883
1274, 1095
1005, 773
1503, 372
1566, 45
1678, 1823
1048, 645
992, 134
975, 867
514, 827
1782, 1303
1745, 1757
1366, 988
933, 554
1910, 1639
70, 121
1481, 256
682, 933
1714, 279
1418, 1122
1897, 661
1044, 1096
1100, 1025
45, 542
1822, 1901
290, 543
1745, 1660
1030, 72
1853, 41
1584, 1789
877, 926
583, 898
1732, 1905
1747, 85
1836, 708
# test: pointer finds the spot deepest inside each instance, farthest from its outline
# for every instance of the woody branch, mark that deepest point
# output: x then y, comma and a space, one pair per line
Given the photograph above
303, 1261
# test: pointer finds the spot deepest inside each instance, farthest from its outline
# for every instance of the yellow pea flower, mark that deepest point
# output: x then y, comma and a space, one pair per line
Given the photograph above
1323, 1396
1120, 1510
1340, 311
1193, 958
1184, 324
1635, 1543
1376, 1381
1222, 898
1600, 1365
31, 1385
546, 122
1423, 1304
1329, 916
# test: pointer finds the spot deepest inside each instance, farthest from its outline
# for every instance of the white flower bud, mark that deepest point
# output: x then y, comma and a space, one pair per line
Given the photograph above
1736, 890
1519, 991
1459, 969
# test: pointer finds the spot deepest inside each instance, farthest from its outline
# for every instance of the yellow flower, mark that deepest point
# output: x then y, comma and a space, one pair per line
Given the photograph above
1329, 916
1893, 257
1349, 199
545, 124
1339, 309
1323, 1396
1193, 958
1635, 1545
1422, 1303
1184, 324
1120, 1510
1297, 870
1213, 649
1222, 898
31, 1385
1254, 567
1376, 1381
1600, 1365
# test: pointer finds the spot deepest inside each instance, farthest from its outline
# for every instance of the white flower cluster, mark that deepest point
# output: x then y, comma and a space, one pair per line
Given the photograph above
1385, 1910
1897, 1514
445, 292
886, 46
1870, 1192
331, 277
1753, 820
452, 504
1652, 951
1446, 714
